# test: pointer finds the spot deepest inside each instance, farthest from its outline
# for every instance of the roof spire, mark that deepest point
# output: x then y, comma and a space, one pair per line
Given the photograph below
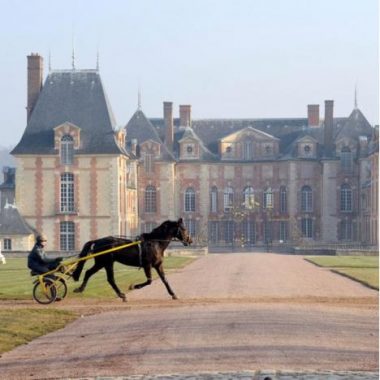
73, 54
97, 60
356, 98
49, 61
139, 98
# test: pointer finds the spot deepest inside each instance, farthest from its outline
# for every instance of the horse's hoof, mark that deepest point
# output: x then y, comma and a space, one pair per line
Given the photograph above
174, 297
131, 287
77, 290
123, 297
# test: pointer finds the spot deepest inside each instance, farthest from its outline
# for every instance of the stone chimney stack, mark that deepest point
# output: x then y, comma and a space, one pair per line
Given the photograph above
328, 127
35, 79
168, 118
185, 115
313, 115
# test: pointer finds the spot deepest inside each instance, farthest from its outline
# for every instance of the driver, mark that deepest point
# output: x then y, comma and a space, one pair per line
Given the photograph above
38, 262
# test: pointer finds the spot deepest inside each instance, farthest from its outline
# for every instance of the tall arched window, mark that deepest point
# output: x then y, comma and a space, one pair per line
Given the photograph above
214, 199
228, 198
67, 150
67, 236
283, 200
67, 192
306, 199
268, 198
345, 198
150, 199
189, 200
249, 198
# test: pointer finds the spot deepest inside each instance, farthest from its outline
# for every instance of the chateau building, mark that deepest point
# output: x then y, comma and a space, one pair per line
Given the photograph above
74, 179
236, 182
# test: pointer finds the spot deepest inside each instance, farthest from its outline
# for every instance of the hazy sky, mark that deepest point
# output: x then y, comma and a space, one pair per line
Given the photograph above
228, 59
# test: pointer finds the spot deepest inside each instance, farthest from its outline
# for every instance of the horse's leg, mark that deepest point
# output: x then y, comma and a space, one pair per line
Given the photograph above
111, 281
87, 276
148, 274
161, 273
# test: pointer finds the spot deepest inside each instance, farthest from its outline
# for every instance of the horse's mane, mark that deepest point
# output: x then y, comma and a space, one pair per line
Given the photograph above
157, 232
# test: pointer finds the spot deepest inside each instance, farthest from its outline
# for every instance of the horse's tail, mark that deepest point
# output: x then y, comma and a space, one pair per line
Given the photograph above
78, 270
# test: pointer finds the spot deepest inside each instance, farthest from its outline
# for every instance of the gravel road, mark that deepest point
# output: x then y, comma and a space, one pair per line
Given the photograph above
235, 312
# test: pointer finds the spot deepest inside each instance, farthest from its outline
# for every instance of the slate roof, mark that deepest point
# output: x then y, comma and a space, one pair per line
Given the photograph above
356, 125
140, 128
288, 130
12, 223
78, 97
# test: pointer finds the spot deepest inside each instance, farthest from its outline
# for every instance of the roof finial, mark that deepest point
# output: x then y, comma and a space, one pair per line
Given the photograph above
139, 98
73, 54
97, 59
356, 97
49, 61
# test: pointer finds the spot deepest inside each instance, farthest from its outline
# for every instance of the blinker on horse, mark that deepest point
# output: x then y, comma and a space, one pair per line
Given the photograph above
149, 254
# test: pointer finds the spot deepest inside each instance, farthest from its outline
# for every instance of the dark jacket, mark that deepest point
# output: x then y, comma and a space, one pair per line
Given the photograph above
37, 260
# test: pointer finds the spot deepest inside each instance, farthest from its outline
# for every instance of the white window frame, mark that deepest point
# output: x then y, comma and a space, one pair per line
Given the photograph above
67, 203
67, 236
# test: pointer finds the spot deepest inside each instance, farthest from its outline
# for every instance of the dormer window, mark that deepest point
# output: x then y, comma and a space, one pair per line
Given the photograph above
229, 149
307, 149
268, 149
189, 149
67, 150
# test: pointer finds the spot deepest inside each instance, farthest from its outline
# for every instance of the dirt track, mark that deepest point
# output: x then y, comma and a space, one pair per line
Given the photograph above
237, 311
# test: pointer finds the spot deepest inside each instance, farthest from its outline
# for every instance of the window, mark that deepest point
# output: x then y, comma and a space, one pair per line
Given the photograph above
283, 200
249, 198
306, 199
346, 159
307, 227
268, 198
148, 162
307, 149
267, 231
7, 244
190, 226
346, 230
248, 227
283, 231
150, 199
67, 150
67, 192
228, 199
214, 199
67, 236
190, 200
247, 150
228, 231
213, 234
345, 198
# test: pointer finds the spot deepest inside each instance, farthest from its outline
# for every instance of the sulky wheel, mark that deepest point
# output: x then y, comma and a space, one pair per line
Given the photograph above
45, 292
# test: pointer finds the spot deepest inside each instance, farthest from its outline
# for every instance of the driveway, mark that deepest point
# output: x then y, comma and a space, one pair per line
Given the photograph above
236, 312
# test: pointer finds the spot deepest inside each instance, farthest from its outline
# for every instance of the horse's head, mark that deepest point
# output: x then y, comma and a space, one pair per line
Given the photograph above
182, 233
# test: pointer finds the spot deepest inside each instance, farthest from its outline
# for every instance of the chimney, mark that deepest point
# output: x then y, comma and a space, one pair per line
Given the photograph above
168, 118
35, 77
185, 115
328, 127
313, 115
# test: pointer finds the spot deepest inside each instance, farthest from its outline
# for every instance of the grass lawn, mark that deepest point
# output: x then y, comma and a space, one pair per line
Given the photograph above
16, 282
364, 269
21, 325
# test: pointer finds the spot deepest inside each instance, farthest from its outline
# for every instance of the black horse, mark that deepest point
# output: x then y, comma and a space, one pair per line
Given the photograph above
149, 253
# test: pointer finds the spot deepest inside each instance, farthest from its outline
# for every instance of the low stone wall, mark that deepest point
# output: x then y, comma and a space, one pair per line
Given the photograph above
357, 252
186, 251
